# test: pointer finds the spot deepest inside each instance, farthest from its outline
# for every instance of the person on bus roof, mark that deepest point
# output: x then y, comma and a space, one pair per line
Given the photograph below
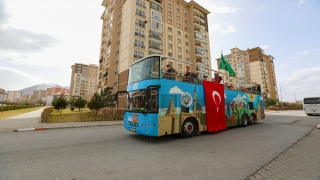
170, 72
216, 78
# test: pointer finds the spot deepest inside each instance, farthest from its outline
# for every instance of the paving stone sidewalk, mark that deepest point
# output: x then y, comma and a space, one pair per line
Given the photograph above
299, 162
32, 120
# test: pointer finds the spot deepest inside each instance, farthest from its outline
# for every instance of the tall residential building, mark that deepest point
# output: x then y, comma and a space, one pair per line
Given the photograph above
83, 81
133, 29
57, 91
39, 96
14, 96
252, 65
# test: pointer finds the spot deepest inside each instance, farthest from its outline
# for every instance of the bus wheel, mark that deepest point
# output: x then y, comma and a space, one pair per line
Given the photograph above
188, 128
309, 114
244, 120
252, 119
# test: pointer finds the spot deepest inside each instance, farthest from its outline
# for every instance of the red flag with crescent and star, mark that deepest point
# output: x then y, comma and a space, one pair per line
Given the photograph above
215, 109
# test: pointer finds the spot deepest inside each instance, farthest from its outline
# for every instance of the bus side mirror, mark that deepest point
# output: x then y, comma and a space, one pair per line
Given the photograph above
148, 93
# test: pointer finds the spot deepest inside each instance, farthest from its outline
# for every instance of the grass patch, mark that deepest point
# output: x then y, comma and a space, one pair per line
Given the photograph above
6, 114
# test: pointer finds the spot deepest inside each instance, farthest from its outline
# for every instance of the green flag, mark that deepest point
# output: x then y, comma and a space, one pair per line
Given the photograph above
226, 66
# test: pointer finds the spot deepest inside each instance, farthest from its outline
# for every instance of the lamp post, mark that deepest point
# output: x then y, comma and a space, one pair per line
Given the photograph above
295, 98
144, 23
281, 93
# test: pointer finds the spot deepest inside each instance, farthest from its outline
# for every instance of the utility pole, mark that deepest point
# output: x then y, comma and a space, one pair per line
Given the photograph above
281, 93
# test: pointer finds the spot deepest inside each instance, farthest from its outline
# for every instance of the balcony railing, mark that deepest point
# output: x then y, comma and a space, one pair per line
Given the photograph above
138, 34
138, 45
156, 48
156, 37
141, 14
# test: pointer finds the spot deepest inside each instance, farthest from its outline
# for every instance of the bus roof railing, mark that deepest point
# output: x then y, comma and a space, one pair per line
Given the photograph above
163, 57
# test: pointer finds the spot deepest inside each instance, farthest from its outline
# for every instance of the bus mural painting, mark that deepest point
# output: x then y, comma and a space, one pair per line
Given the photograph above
186, 105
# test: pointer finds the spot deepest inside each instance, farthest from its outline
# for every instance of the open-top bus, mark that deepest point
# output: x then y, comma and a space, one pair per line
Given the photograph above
311, 105
185, 105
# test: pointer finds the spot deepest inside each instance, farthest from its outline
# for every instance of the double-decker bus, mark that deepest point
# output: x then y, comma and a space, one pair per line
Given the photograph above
311, 105
160, 103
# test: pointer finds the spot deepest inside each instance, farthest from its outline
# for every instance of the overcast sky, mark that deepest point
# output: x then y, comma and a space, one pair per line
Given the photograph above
41, 39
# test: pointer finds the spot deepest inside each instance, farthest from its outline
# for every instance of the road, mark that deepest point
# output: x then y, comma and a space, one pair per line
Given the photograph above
110, 152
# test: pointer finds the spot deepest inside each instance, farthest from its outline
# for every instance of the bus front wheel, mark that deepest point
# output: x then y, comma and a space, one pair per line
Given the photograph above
188, 128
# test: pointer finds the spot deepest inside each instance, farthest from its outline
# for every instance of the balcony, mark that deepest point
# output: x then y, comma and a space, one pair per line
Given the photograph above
159, 38
101, 60
139, 46
197, 25
156, 48
198, 44
196, 18
199, 55
141, 14
196, 11
141, 5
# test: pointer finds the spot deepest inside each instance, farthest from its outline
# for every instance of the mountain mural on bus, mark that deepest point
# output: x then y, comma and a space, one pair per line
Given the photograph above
181, 98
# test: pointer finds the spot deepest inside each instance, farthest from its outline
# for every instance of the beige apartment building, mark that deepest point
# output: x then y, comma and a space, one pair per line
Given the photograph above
252, 65
83, 81
133, 29
39, 96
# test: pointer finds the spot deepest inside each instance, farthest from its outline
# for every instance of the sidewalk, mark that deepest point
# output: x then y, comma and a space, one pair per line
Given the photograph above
301, 161
32, 119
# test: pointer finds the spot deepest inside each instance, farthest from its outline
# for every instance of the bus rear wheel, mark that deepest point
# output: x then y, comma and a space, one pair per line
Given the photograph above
252, 119
188, 128
244, 120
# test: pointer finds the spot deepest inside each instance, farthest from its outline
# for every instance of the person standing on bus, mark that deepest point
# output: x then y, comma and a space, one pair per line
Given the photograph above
216, 78
170, 72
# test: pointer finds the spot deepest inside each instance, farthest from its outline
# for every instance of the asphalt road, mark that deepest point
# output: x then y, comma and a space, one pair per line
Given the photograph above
111, 152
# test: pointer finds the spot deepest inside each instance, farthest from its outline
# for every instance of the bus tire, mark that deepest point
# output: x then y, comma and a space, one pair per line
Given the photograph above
309, 114
252, 119
188, 128
244, 120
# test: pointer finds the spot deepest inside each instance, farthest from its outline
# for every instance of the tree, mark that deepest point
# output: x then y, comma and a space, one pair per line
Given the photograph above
108, 97
60, 103
80, 103
270, 102
95, 102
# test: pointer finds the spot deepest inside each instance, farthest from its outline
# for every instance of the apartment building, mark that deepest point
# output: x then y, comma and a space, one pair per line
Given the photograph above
58, 91
83, 81
39, 96
14, 96
27, 97
253, 65
138, 28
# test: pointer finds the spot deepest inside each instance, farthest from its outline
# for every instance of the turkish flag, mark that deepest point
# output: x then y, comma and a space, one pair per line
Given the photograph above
215, 109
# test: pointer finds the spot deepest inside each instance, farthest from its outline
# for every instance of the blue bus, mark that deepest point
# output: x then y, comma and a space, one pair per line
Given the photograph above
161, 103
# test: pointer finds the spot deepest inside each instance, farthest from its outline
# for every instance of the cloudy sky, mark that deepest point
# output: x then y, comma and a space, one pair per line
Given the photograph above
41, 39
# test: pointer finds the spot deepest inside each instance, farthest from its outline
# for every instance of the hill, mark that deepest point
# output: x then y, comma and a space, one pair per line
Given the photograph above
30, 90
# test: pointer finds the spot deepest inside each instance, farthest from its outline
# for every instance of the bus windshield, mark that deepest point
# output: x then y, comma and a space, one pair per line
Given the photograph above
136, 101
315, 100
146, 69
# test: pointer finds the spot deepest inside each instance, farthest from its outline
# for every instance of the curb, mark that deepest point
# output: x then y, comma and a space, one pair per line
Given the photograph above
52, 128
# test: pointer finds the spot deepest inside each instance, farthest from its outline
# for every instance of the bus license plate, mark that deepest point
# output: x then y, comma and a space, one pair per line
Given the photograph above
133, 129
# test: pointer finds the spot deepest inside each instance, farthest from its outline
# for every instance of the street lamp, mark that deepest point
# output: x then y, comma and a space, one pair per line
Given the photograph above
281, 93
295, 98
144, 23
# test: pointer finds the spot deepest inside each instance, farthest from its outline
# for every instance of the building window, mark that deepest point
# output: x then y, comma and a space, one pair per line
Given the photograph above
140, 23
140, 13
156, 16
178, 17
187, 51
179, 48
156, 25
178, 25
169, 12
139, 44
155, 6
169, 5
170, 54
179, 57
179, 33
188, 59
138, 54
155, 45
141, 4
187, 36
170, 37
187, 43
170, 46
170, 21
179, 40
169, 29
138, 32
